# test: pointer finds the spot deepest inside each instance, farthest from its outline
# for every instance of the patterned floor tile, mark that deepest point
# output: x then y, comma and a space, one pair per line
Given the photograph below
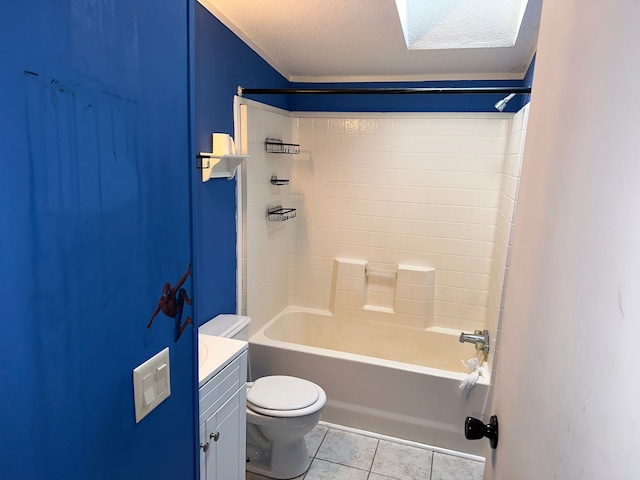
346, 448
448, 467
314, 439
375, 476
344, 455
402, 462
321, 470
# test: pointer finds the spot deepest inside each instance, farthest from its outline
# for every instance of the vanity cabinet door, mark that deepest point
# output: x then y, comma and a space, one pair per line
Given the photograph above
225, 430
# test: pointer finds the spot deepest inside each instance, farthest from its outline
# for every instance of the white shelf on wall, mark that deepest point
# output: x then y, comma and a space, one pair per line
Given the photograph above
219, 166
222, 161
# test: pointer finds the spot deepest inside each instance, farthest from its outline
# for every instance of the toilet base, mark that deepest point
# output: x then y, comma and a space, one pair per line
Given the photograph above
285, 462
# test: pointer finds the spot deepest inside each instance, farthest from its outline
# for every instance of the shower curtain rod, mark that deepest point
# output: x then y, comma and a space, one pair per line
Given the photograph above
415, 90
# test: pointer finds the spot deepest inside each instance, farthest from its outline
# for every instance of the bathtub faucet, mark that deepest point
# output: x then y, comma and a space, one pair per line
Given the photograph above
479, 337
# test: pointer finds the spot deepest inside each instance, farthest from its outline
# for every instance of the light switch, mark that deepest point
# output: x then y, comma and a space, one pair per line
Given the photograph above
147, 388
151, 383
161, 376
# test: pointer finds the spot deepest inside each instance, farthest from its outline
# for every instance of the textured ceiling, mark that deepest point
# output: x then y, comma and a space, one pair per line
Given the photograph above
363, 40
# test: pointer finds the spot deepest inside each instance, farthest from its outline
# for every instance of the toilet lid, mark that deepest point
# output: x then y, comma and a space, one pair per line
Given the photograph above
280, 392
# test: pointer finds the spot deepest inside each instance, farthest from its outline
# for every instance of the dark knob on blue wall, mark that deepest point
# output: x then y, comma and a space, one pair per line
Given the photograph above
474, 429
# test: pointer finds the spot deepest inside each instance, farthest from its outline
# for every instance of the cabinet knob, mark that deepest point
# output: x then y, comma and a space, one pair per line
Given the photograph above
215, 436
204, 447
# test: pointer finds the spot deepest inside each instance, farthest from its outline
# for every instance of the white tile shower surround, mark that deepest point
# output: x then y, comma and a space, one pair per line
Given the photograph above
267, 245
343, 454
415, 190
504, 227
432, 190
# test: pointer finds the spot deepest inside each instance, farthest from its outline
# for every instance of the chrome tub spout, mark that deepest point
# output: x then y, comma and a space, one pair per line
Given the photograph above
479, 337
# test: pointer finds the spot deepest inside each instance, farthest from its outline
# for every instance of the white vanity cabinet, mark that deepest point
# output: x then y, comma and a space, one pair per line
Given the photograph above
223, 397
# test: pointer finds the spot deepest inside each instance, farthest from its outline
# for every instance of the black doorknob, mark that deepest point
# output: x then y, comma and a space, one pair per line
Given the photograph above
474, 429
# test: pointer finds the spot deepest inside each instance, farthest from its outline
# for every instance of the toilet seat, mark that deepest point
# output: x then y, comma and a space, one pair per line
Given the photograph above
285, 396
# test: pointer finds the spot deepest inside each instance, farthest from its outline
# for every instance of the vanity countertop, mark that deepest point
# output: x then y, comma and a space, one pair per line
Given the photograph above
214, 353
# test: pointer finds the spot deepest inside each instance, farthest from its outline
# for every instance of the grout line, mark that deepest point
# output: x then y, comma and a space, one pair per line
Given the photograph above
345, 465
320, 444
373, 459
431, 469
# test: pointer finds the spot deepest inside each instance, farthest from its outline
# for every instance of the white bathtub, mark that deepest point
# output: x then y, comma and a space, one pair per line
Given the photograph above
396, 381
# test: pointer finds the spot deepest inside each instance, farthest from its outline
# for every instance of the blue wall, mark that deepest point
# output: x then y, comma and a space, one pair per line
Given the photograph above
95, 206
222, 63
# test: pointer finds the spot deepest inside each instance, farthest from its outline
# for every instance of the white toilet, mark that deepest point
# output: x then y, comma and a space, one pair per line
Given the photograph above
281, 410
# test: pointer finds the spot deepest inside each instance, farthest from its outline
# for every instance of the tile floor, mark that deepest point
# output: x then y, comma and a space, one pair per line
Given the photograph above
345, 455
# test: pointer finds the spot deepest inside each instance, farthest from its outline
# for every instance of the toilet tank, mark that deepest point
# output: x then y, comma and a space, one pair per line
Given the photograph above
228, 326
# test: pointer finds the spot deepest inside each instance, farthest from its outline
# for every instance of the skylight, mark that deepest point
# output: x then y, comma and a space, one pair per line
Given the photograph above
448, 24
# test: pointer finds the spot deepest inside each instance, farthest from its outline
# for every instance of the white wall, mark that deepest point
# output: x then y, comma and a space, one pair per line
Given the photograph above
567, 393
400, 189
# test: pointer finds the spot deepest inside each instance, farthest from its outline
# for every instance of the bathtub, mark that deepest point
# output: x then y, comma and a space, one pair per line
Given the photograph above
396, 381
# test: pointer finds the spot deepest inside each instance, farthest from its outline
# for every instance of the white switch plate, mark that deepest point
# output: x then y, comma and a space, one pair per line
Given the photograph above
151, 383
